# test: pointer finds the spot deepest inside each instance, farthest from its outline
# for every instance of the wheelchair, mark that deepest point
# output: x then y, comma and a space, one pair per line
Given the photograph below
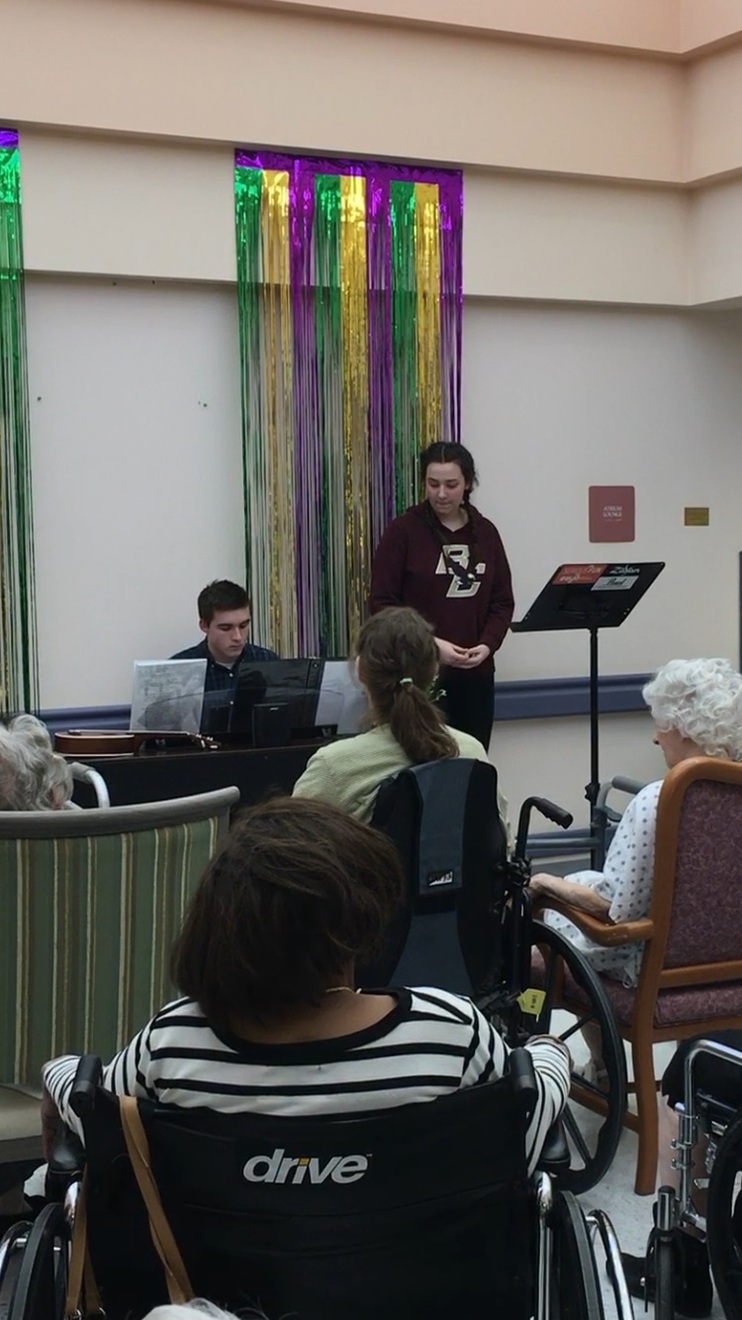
592, 840
703, 1114
467, 926
425, 1212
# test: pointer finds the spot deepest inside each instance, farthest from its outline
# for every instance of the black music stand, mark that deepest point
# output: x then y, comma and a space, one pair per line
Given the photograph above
589, 596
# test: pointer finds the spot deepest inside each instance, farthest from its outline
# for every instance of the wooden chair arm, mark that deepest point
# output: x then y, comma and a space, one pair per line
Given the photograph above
605, 933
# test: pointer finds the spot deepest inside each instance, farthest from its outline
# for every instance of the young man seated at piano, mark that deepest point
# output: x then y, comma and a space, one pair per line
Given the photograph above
224, 620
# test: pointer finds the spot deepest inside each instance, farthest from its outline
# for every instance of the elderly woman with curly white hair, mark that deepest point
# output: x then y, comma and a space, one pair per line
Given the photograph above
33, 777
696, 706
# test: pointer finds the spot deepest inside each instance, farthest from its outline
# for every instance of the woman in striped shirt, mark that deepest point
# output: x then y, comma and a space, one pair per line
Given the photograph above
270, 1020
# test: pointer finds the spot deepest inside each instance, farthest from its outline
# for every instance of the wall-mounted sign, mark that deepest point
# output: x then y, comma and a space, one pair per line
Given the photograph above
611, 513
696, 516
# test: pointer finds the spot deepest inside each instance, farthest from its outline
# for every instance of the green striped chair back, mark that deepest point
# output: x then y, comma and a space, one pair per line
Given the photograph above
90, 903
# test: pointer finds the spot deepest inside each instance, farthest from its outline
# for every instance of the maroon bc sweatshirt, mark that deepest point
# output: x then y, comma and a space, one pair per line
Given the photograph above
470, 608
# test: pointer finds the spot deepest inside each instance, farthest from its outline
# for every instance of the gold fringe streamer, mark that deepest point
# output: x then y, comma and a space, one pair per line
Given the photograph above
278, 619
354, 322
428, 281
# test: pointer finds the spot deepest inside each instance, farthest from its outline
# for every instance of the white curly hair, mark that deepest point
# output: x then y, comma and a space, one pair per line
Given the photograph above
197, 1310
702, 700
33, 777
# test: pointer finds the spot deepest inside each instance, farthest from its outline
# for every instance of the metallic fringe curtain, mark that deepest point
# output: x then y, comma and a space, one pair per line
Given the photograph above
349, 282
19, 681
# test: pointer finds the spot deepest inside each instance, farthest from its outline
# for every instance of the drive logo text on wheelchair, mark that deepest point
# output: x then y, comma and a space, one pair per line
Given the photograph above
282, 1168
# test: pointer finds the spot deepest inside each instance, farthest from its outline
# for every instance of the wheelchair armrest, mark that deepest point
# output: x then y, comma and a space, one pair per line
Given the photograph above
715, 1111
611, 935
621, 784
86, 1083
555, 1157
66, 1163
523, 1078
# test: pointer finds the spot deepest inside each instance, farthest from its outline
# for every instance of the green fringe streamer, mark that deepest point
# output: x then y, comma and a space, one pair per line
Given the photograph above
404, 342
248, 194
328, 340
19, 668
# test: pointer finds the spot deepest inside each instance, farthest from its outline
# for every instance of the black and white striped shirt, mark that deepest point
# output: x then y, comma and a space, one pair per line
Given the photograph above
430, 1044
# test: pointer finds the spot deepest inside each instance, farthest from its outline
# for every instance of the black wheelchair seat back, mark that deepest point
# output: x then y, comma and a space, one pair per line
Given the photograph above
444, 821
420, 1211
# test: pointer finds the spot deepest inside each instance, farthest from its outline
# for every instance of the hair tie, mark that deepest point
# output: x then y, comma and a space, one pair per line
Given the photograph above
403, 682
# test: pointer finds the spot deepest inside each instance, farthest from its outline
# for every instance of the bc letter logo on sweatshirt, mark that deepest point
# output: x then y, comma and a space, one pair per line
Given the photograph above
463, 579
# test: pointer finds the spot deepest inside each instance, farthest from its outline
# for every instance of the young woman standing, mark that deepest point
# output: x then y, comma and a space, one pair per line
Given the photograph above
446, 560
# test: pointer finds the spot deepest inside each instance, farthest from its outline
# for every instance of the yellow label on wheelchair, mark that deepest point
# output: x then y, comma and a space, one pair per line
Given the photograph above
531, 1001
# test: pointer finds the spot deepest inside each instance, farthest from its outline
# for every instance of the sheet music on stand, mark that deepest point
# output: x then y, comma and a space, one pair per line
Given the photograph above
590, 597
168, 695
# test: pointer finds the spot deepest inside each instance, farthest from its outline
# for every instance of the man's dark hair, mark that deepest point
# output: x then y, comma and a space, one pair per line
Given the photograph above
299, 891
221, 595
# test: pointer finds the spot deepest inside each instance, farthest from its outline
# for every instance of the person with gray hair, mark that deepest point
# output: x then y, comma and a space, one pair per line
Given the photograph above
199, 1309
33, 777
696, 706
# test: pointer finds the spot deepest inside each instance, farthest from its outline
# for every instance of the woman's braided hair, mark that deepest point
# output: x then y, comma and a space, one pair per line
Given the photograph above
443, 452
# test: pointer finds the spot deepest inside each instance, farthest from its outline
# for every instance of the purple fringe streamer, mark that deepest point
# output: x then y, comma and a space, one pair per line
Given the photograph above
307, 474
307, 464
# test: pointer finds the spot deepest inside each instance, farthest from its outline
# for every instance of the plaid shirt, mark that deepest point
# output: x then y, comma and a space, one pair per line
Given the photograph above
220, 678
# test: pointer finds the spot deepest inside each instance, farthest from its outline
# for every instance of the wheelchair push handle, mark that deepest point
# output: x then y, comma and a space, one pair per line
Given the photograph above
553, 812
623, 784
523, 1079
87, 1080
548, 809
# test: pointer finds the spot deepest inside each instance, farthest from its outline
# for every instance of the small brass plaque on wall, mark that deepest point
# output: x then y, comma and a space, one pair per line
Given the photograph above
696, 517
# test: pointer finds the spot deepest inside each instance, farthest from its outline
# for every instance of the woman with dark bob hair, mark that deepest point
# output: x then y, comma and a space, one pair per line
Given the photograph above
270, 1019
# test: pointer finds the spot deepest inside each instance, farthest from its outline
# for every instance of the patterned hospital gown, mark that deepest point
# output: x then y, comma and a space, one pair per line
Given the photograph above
625, 882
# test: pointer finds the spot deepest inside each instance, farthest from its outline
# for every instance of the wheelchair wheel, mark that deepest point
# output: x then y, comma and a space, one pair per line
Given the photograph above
41, 1284
593, 1118
11, 1254
663, 1268
577, 1293
724, 1220
662, 1249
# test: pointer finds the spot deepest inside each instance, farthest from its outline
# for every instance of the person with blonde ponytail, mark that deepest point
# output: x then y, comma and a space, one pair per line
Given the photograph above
396, 660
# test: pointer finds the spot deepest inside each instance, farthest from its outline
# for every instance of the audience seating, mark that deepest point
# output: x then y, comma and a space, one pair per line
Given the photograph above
90, 902
690, 982
422, 1211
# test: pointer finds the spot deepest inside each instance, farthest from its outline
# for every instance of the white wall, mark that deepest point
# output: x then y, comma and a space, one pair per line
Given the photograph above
552, 759
247, 73
95, 205
557, 399
136, 451
135, 417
